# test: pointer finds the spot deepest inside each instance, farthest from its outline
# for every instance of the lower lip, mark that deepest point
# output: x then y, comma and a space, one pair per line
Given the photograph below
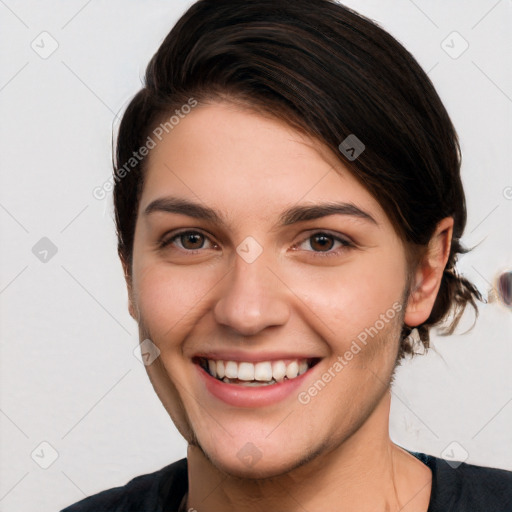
246, 396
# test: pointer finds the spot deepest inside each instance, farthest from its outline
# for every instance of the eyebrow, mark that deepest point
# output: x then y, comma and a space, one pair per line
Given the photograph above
293, 215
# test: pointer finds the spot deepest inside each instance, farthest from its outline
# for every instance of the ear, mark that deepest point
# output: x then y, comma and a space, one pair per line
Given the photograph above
128, 280
428, 275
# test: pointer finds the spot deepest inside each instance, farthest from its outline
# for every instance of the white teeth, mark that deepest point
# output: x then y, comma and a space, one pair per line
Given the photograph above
279, 370
263, 371
254, 383
231, 369
292, 370
221, 371
245, 371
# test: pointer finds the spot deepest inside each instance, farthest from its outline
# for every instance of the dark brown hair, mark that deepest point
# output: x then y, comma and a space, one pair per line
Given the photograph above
328, 72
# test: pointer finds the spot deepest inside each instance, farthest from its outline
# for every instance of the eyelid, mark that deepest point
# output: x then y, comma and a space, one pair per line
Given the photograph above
346, 242
168, 238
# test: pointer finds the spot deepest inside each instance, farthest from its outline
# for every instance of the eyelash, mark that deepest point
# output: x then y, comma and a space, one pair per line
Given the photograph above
345, 244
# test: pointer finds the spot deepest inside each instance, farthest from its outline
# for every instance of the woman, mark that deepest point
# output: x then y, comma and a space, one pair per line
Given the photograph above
289, 212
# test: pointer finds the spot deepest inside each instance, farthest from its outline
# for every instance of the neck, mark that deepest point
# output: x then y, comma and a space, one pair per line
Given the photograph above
367, 472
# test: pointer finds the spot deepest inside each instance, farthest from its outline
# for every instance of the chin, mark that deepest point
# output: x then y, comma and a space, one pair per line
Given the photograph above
253, 463
255, 471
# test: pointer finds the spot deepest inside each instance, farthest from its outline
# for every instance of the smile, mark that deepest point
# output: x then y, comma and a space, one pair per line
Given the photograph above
254, 374
252, 383
262, 373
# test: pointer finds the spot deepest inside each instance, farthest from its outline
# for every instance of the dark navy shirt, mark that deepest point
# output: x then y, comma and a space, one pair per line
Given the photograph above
465, 488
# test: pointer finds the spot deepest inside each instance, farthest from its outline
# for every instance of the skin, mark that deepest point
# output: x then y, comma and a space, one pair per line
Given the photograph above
250, 168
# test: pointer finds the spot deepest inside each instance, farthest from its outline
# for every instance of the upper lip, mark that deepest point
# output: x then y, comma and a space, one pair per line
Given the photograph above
238, 356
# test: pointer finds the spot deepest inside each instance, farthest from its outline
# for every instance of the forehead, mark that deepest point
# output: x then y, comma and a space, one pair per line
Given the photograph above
242, 163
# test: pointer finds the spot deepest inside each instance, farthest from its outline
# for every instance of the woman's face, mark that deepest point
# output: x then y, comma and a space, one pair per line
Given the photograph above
270, 281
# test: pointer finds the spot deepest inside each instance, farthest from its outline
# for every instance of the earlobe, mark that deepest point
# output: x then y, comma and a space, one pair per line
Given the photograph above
428, 275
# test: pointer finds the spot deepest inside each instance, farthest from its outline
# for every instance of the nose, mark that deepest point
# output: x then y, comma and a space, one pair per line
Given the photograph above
252, 298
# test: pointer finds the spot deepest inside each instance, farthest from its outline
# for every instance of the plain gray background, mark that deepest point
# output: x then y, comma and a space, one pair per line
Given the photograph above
69, 376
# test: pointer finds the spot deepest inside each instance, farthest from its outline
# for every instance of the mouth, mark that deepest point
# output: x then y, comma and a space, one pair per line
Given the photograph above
256, 374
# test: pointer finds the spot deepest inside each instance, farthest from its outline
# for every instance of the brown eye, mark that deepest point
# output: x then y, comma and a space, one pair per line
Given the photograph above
326, 244
191, 240
187, 241
322, 242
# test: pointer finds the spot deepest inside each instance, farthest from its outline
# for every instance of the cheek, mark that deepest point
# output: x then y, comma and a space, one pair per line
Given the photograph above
169, 298
349, 299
